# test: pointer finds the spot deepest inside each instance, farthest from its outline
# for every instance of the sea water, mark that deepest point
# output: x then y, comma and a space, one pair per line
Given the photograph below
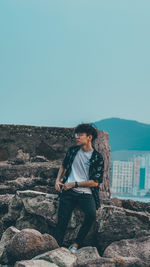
141, 199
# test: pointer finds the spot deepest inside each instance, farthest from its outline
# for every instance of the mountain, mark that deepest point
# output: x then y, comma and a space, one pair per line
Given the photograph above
125, 134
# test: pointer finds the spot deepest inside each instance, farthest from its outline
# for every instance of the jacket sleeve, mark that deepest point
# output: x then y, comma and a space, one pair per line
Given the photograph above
66, 159
99, 170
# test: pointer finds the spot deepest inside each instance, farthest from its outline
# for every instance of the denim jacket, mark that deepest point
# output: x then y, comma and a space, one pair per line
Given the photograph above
96, 169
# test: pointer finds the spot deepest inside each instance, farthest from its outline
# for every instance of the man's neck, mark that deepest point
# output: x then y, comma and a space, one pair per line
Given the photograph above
87, 148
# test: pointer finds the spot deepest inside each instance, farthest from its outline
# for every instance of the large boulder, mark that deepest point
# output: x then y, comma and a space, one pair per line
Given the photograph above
28, 243
6, 237
31, 209
40, 205
137, 248
116, 223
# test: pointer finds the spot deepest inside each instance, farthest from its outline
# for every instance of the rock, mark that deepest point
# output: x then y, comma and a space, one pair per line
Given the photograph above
38, 210
28, 243
138, 248
21, 156
7, 235
5, 201
35, 263
31, 193
21, 183
14, 211
41, 208
5, 189
113, 262
129, 262
114, 201
18, 162
39, 159
136, 205
28, 175
62, 257
26, 217
104, 262
1, 229
129, 204
109, 228
87, 253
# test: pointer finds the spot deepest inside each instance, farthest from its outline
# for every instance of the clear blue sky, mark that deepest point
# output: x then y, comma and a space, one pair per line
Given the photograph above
71, 61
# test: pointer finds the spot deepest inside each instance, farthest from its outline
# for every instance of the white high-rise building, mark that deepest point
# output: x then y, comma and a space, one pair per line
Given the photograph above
136, 175
122, 177
147, 172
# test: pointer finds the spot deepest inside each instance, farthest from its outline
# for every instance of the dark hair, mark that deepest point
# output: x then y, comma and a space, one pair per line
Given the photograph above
86, 128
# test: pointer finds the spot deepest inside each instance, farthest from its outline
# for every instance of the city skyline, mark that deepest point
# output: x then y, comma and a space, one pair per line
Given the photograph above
131, 177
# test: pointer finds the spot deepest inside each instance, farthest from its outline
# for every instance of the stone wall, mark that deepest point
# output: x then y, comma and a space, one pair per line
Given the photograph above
30, 156
52, 142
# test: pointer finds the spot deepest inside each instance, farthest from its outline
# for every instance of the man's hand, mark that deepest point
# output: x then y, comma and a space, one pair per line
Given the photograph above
58, 186
68, 186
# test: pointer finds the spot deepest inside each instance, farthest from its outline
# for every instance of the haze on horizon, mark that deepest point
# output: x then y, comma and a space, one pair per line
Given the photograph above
67, 62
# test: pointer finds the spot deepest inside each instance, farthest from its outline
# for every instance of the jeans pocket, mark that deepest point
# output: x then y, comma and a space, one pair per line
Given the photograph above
87, 196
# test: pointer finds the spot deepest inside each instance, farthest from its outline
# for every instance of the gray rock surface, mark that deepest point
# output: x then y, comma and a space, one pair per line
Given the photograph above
37, 210
60, 256
29, 175
36, 263
116, 223
104, 262
114, 262
137, 248
86, 254
28, 243
6, 237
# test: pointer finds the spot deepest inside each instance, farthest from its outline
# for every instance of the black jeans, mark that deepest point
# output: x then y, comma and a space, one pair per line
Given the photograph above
68, 201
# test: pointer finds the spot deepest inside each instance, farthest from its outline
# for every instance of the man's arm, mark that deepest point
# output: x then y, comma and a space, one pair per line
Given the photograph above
62, 171
60, 175
89, 183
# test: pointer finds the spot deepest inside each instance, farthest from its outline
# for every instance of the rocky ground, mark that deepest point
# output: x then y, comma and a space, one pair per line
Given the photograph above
39, 174
119, 237
29, 161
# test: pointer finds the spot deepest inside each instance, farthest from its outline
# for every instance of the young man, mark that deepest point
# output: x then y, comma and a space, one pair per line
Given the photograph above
82, 172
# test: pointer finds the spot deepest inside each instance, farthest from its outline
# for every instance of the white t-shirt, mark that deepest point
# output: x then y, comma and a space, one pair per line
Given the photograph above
80, 170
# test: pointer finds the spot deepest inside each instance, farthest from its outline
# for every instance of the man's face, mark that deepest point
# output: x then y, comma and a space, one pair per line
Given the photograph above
83, 139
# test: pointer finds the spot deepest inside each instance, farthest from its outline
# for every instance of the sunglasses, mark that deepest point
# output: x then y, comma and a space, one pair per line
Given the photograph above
78, 134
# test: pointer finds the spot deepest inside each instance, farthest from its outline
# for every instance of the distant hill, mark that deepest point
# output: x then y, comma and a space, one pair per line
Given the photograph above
126, 134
